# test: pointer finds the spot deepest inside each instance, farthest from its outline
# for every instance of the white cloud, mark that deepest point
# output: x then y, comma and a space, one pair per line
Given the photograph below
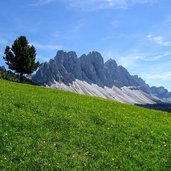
127, 61
131, 58
103, 4
158, 40
165, 76
46, 46
95, 4
155, 57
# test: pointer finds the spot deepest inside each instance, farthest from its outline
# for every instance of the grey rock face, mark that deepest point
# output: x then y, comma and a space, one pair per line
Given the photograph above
160, 92
92, 67
66, 67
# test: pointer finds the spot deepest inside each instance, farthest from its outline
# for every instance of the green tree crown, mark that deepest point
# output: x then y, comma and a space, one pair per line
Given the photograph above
21, 57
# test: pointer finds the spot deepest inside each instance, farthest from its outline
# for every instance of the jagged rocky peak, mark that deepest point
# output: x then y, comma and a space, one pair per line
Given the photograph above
95, 55
111, 72
140, 82
64, 53
92, 67
123, 70
61, 56
72, 54
111, 64
160, 92
66, 67
93, 58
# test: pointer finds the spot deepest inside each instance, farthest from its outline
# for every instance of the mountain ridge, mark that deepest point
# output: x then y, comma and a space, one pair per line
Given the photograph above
67, 67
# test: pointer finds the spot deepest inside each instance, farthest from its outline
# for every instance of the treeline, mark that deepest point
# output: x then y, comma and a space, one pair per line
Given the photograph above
158, 106
10, 76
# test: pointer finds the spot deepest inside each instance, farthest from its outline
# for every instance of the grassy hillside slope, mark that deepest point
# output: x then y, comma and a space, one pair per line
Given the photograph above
46, 129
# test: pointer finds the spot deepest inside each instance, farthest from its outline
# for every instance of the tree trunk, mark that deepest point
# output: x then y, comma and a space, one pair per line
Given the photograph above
21, 77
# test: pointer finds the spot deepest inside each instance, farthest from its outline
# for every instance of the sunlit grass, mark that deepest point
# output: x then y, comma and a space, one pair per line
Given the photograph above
46, 129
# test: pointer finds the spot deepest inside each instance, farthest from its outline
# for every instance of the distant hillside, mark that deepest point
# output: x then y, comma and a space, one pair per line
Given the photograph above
47, 129
67, 68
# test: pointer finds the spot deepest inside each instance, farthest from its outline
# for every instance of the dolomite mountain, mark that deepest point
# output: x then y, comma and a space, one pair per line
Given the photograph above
89, 74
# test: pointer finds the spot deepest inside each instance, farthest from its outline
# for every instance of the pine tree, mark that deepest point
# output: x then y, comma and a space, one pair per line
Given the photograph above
21, 57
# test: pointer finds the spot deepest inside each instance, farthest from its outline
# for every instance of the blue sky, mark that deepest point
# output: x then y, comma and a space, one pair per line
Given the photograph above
136, 33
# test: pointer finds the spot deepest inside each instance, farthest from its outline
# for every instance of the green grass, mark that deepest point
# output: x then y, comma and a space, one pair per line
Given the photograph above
46, 129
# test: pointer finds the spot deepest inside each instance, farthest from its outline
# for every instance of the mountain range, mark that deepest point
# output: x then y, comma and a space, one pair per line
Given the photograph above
89, 74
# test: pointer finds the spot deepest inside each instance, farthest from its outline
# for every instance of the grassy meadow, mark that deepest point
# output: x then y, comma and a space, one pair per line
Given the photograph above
47, 129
